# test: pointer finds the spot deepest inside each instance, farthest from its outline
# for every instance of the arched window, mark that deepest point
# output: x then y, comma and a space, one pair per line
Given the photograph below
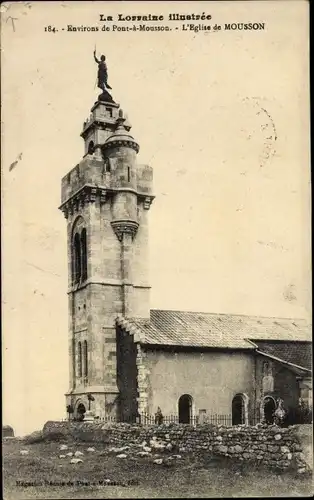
91, 147
269, 407
79, 251
85, 356
77, 265
238, 410
185, 409
240, 414
84, 254
80, 411
107, 165
79, 359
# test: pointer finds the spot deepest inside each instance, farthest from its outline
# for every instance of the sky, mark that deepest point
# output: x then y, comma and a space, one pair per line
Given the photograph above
223, 119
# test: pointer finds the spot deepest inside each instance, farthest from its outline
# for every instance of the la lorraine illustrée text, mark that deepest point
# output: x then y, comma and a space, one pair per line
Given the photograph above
153, 17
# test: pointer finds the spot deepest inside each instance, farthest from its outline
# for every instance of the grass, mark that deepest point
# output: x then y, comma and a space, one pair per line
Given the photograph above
187, 477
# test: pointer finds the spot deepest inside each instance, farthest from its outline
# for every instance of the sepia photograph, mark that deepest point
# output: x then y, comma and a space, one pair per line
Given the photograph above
156, 249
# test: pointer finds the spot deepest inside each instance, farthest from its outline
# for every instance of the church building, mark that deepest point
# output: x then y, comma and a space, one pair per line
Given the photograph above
127, 360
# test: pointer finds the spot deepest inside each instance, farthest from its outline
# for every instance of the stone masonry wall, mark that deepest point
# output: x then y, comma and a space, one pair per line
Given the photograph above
272, 446
126, 375
142, 380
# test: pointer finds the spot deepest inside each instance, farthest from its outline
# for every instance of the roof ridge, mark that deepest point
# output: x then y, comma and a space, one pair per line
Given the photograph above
231, 314
211, 330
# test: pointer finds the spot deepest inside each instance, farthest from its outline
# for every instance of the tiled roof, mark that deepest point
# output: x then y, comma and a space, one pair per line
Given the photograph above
193, 329
298, 353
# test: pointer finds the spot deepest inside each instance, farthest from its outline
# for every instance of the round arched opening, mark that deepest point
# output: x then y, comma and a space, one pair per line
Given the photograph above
269, 407
81, 410
238, 410
185, 409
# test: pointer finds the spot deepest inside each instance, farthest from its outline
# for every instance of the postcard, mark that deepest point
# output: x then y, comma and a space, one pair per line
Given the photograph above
156, 249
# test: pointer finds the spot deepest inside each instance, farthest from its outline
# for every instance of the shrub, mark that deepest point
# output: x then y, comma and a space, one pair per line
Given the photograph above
55, 436
302, 414
34, 437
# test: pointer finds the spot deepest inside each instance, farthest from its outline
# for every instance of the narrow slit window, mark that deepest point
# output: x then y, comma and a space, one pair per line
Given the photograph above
85, 354
107, 165
77, 259
79, 359
84, 254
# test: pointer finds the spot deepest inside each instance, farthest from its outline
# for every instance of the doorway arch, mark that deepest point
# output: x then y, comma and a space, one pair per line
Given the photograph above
185, 409
240, 409
80, 411
238, 412
269, 407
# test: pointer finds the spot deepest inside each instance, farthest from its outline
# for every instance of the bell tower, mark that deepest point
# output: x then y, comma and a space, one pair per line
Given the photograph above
105, 200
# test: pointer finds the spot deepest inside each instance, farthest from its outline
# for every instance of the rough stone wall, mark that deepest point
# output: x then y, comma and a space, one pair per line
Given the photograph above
305, 437
143, 382
271, 446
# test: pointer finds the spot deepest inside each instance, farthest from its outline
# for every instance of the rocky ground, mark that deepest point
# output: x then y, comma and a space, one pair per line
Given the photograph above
35, 468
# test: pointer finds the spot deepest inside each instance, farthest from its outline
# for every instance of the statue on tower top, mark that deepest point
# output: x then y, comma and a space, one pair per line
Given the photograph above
102, 78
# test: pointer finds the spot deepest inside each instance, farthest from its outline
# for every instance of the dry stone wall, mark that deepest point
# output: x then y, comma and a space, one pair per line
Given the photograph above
272, 446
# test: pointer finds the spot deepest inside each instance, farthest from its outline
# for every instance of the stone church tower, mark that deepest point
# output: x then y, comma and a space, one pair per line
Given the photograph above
105, 200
